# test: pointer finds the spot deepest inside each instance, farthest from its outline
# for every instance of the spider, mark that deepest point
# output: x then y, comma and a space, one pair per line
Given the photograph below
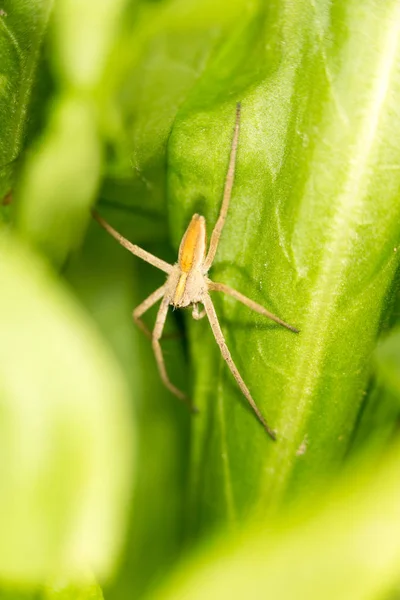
187, 284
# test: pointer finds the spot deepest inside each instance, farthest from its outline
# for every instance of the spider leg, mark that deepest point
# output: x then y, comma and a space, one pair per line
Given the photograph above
221, 287
216, 234
219, 337
157, 333
196, 313
136, 250
144, 306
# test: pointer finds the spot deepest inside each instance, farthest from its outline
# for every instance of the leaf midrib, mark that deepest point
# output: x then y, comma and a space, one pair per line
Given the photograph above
322, 307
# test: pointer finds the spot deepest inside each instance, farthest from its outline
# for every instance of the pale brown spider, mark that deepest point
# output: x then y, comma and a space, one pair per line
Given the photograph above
187, 284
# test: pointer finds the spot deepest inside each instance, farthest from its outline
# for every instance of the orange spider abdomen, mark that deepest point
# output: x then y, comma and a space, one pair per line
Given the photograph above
193, 245
191, 255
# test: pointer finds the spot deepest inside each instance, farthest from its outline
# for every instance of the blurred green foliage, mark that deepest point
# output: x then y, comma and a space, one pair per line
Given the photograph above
107, 482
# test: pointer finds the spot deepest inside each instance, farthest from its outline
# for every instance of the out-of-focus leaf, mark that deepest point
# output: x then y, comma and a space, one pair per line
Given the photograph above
312, 233
60, 180
89, 590
83, 33
347, 548
118, 282
16, 593
378, 420
65, 442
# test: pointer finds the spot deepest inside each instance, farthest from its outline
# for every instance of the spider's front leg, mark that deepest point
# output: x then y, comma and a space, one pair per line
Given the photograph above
221, 287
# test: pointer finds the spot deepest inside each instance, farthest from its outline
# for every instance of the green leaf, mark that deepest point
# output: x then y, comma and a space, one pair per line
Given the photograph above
22, 28
346, 547
65, 442
312, 233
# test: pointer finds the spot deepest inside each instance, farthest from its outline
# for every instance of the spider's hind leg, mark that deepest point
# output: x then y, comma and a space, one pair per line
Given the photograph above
226, 355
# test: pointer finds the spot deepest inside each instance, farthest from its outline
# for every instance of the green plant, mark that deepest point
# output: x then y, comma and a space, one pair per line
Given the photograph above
129, 104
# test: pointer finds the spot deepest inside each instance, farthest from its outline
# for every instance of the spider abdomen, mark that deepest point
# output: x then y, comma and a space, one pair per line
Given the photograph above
193, 245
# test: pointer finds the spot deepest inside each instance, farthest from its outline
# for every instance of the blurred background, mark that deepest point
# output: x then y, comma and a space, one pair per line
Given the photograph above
109, 487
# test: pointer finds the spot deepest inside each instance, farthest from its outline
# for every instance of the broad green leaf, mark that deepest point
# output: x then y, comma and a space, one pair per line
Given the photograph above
348, 547
312, 233
65, 443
